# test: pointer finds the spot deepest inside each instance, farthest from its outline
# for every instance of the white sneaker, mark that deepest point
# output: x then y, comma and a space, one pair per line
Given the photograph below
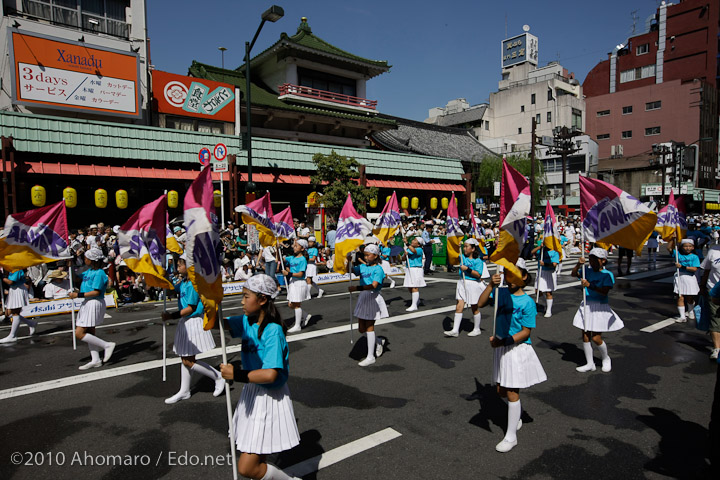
379, 348
519, 424
586, 368
681, 320
392, 285
474, 333
606, 364
90, 365
321, 292
307, 319
366, 362
691, 314
219, 387
451, 333
411, 309
295, 328
177, 397
32, 329
714, 354
109, 351
8, 339
505, 446
547, 314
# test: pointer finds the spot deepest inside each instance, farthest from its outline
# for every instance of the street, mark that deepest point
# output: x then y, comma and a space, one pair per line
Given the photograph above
425, 409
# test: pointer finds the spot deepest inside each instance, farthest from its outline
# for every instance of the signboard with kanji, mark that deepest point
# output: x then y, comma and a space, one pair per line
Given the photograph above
523, 48
193, 97
61, 74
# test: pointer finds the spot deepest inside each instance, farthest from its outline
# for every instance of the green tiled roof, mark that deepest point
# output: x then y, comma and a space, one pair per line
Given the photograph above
89, 138
260, 96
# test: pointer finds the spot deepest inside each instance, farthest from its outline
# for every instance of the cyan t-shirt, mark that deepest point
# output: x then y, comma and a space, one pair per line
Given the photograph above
603, 278
296, 264
385, 253
689, 260
312, 254
94, 279
188, 296
514, 313
548, 257
369, 274
415, 259
473, 264
18, 278
270, 351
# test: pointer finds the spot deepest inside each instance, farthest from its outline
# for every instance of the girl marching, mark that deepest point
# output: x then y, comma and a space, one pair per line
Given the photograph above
190, 336
296, 266
597, 281
370, 305
515, 364
92, 311
686, 284
264, 417
470, 288
385, 263
414, 276
547, 278
17, 298
311, 272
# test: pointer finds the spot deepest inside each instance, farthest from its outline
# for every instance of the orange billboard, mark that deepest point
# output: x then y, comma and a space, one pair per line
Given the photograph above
56, 73
193, 97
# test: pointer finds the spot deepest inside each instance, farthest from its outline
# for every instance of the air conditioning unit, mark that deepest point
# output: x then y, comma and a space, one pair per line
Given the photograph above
619, 150
128, 15
612, 150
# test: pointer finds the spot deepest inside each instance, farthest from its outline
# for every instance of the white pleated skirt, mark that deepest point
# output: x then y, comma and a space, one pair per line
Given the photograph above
386, 267
297, 290
191, 338
92, 312
414, 277
265, 421
686, 285
311, 270
17, 297
371, 306
517, 366
601, 318
547, 280
474, 290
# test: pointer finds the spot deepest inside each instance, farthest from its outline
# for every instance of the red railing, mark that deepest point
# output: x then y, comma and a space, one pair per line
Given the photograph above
307, 92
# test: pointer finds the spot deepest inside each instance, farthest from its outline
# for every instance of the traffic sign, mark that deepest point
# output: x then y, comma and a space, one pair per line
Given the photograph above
220, 152
220, 167
204, 156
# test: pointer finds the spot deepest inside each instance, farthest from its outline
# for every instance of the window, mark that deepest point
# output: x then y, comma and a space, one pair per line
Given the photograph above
603, 136
326, 82
193, 125
103, 16
537, 119
653, 105
652, 131
522, 108
627, 110
550, 94
637, 73
603, 113
627, 134
576, 119
642, 49
519, 130
532, 99
512, 147
549, 117
487, 124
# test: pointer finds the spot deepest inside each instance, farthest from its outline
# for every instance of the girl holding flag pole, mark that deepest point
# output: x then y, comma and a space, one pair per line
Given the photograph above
686, 284
311, 272
469, 287
17, 299
385, 262
414, 274
296, 266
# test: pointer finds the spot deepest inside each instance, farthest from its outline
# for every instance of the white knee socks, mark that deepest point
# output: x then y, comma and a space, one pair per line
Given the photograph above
548, 310
514, 412
185, 377
681, 311
415, 299
92, 340
274, 473
589, 362
205, 369
392, 282
606, 362
456, 322
15, 325
371, 344
476, 321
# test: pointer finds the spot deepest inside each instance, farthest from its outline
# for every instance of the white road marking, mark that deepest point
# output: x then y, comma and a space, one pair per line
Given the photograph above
107, 316
649, 273
657, 326
341, 453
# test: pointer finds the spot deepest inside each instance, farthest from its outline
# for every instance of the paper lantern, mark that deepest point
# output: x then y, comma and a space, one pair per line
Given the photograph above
218, 198
433, 203
387, 199
373, 203
121, 199
100, 198
445, 202
70, 197
415, 203
173, 198
37, 193
405, 202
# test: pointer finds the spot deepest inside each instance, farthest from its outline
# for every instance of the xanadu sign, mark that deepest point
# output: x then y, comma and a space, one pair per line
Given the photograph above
193, 97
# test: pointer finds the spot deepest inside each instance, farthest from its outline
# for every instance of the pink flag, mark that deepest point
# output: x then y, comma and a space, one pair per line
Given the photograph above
283, 225
259, 213
388, 222
671, 219
513, 184
34, 237
203, 246
476, 231
352, 228
454, 232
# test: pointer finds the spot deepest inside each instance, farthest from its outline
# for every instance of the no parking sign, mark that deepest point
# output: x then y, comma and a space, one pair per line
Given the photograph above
204, 156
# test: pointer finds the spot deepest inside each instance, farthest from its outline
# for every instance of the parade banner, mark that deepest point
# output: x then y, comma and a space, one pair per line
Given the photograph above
61, 305
551, 236
454, 233
283, 225
259, 213
476, 232
614, 217
352, 229
34, 237
171, 242
514, 209
203, 246
671, 219
142, 243
388, 223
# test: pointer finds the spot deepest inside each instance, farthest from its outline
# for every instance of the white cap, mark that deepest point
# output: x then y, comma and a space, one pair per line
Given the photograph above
303, 243
94, 254
599, 253
92, 226
521, 263
420, 240
687, 240
471, 241
263, 284
372, 248
312, 239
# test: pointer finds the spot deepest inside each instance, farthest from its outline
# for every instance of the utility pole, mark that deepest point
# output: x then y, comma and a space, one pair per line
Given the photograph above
563, 146
533, 141
662, 151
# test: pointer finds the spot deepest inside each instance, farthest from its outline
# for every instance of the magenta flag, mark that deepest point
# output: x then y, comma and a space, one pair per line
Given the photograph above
283, 225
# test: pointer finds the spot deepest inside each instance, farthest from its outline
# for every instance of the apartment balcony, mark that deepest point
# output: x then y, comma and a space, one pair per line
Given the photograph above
313, 96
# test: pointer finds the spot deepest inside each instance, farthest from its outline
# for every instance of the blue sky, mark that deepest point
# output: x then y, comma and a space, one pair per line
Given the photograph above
439, 50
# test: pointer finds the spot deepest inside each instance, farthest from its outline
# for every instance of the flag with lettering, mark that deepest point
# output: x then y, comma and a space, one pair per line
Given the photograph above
259, 213
388, 223
614, 217
551, 235
34, 237
476, 232
352, 229
454, 233
671, 219
203, 247
141, 241
171, 242
514, 209
283, 225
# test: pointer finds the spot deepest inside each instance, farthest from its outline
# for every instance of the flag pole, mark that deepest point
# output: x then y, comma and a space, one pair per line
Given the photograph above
537, 283
462, 272
584, 290
349, 270
164, 331
2, 291
227, 395
72, 305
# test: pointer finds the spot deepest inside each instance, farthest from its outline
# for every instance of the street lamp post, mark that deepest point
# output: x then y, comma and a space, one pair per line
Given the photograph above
222, 56
272, 14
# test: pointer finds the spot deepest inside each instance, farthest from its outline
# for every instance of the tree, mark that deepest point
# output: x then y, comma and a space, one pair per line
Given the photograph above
339, 175
490, 171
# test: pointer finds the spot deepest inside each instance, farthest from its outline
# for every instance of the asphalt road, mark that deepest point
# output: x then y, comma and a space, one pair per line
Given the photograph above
648, 418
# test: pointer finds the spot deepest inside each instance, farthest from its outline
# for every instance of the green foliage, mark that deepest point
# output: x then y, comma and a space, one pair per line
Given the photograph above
490, 171
337, 175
